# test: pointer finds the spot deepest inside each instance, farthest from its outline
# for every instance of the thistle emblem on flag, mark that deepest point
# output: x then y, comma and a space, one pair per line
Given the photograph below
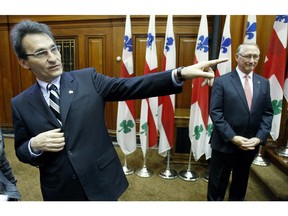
203, 44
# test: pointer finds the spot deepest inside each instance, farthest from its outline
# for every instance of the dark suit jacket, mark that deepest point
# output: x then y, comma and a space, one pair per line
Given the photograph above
89, 153
230, 113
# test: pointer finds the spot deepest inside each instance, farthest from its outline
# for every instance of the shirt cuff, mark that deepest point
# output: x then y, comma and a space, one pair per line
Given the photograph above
175, 82
34, 154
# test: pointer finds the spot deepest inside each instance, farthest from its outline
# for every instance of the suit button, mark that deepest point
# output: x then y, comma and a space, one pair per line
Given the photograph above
74, 177
70, 153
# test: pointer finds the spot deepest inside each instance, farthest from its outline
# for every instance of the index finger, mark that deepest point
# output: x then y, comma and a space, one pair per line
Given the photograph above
215, 61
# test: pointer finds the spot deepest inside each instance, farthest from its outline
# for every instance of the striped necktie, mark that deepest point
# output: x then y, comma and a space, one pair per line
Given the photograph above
54, 101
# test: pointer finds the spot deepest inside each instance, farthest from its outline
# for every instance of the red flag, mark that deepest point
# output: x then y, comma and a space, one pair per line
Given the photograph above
167, 103
275, 67
126, 126
200, 125
149, 106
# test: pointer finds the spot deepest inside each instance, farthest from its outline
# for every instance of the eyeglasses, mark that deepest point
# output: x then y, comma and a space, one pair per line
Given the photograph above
248, 57
44, 53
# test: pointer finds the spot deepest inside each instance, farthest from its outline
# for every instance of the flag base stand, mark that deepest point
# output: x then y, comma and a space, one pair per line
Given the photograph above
144, 172
127, 170
260, 161
205, 177
188, 175
168, 174
282, 151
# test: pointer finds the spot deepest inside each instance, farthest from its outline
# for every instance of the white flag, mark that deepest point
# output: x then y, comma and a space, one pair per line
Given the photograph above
149, 107
251, 29
126, 127
167, 103
200, 125
225, 49
275, 67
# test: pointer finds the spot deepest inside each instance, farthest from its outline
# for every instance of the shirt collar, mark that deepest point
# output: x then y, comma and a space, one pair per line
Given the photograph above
43, 85
242, 74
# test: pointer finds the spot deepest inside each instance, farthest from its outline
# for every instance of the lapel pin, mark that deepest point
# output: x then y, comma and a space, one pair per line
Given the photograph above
71, 92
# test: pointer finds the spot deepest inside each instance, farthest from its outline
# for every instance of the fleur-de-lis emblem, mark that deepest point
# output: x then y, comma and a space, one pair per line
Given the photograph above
277, 107
150, 40
282, 18
202, 45
127, 43
126, 126
250, 30
198, 129
169, 42
225, 43
144, 128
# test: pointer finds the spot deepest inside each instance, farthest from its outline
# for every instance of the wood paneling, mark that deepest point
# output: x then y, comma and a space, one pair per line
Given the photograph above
99, 41
96, 54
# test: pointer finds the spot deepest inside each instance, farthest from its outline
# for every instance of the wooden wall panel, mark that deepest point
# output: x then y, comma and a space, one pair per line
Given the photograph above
6, 79
185, 57
96, 53
99, 41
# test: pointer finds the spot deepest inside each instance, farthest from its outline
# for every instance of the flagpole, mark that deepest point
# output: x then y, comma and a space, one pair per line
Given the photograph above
144, 171
126, 169
168, 173
283, 151
259, 160
188, 175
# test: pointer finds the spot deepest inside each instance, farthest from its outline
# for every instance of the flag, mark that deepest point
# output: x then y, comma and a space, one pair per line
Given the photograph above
149, 107
199, 128
126, 127
275, 67
225, 49
251, 27
167, 103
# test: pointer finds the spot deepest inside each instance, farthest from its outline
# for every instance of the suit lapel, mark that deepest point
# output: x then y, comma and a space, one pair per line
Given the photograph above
37, 101
67, 91
256, 89
235, 79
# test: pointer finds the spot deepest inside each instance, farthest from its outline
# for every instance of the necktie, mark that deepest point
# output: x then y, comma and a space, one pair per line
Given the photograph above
54, 100
248, 91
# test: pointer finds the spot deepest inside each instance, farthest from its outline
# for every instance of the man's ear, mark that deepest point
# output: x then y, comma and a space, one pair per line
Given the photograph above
24, 64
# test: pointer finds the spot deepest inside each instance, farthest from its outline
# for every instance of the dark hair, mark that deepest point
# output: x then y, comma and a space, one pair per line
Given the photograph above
21, 29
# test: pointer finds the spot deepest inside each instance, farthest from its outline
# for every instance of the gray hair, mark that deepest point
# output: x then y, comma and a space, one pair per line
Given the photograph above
21, 29
241, 47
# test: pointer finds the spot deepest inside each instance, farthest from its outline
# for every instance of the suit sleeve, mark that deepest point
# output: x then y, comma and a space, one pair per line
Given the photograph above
139, 87
22, 138
222, 127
